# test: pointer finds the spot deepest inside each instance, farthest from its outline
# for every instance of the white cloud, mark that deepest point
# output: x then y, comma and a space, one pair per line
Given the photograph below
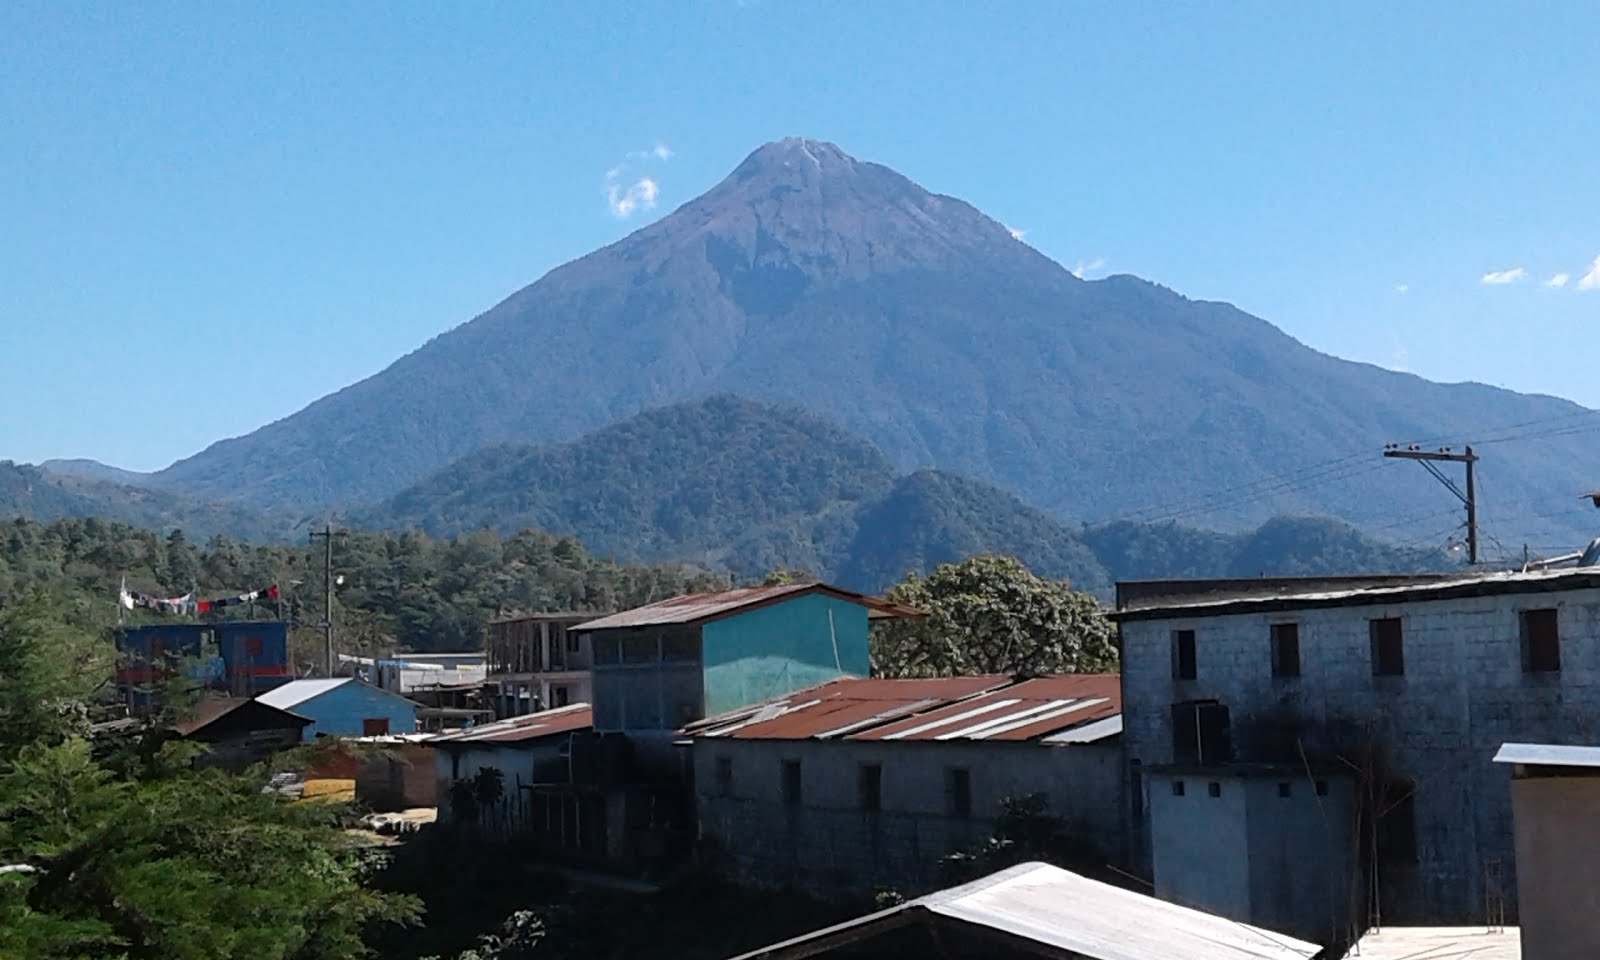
624, 202
1500, 277
1558, 279
1402, 288
1086, 267
1017, 233
1591, 277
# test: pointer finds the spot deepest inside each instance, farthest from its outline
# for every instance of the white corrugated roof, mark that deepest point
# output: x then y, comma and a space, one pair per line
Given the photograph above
1548, 755
1084, 917
299, 691
1439, 943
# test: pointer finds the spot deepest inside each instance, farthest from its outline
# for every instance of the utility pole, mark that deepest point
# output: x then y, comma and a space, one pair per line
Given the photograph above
326, 533
1470, 497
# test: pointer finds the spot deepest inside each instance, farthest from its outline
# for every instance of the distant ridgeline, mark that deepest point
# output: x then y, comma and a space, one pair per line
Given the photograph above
724, 484
728, 483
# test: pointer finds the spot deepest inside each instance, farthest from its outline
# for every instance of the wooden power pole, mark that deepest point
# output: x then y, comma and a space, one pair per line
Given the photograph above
1469, 497
326, 533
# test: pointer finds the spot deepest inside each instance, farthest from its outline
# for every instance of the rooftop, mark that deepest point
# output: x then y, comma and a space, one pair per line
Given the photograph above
299, 691
1061, 911
1548, 755
556, 616
532, 726
1439, 943
701, 607
212, 709
1149, 600
1065, 708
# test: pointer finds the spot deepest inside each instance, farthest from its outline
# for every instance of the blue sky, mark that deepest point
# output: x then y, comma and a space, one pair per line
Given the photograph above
216, 213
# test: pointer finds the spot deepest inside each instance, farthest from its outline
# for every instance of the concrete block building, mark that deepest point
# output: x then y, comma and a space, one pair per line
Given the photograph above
671, 663
1407, 684
859, 785
537, 661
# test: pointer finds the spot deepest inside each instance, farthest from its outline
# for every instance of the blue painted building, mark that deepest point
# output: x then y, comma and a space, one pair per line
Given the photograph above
659, 667
344, 707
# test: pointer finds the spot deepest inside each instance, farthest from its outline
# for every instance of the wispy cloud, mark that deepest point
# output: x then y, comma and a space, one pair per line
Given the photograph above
625, 202
1558, 279
1402, 288
1501, 277
1591, 277
1084, 267
1017, 233
623, 198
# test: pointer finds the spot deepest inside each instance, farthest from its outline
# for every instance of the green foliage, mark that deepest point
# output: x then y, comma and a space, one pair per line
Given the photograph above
990, 614
400, 591
190, 867
48, 671
142, 856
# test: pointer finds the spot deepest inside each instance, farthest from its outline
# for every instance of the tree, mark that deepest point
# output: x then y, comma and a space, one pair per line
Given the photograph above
47, 673
990, 614
188, 866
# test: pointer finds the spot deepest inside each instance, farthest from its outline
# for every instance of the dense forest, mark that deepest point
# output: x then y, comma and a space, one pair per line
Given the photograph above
393, 591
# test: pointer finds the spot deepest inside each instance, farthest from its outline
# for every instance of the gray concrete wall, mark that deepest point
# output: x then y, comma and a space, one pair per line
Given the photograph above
1558, 865
1464, 693
1200, 845
829, 844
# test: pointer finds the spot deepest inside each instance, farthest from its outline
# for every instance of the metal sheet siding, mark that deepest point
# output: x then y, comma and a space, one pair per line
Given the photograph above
342, 710
784, 646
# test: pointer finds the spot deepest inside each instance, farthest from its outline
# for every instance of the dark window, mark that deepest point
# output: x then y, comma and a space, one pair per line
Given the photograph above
574, 641
375, 726
791, 781
1177, 788
1388, 652
1541, 641
640, 649
958, 791
1286, 649
870, 786
724, 776
558, 696
1284, 789
1214, 788
1183, 655
1397, 825
1322, 788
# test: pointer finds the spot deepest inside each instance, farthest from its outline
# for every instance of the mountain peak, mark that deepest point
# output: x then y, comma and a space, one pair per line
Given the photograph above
819, 155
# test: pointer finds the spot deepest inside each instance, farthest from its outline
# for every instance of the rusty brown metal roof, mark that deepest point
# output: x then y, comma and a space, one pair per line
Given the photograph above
211, 709
696, 608
955, 708
532, 726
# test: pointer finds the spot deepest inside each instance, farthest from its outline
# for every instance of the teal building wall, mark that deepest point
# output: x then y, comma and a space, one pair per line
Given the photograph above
784, 646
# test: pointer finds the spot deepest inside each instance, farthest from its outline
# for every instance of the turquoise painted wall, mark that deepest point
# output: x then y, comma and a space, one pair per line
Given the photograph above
339, 712
774, 649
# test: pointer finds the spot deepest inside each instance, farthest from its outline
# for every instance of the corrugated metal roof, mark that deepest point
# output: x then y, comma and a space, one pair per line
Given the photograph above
1485, 584
299, 691
212, 709
1062, 910
955, 708
1548, 755
532, 726
1439, 943
700, 607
